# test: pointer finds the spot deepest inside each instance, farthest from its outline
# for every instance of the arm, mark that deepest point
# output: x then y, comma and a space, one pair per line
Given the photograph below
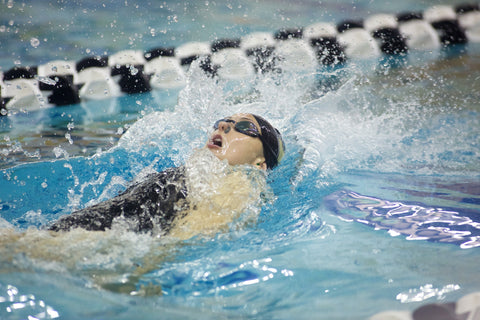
146, 205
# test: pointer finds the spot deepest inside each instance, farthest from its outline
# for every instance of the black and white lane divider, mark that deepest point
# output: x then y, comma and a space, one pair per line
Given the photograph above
295, 49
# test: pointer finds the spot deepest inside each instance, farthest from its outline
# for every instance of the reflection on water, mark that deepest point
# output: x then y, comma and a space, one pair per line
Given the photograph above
24, 305
76, 130
413, 221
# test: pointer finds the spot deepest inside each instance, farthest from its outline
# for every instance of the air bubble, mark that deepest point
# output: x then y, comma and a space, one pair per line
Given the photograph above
34, 42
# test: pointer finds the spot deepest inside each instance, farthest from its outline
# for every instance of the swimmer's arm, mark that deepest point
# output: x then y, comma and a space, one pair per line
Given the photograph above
148, 203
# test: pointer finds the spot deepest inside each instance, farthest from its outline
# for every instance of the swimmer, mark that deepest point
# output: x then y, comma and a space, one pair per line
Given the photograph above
163, 200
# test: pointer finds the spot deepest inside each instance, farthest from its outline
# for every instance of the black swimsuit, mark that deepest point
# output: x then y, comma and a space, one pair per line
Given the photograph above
154, 202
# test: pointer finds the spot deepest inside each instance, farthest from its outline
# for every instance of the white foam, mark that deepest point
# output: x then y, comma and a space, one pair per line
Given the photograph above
352, 129
220, 196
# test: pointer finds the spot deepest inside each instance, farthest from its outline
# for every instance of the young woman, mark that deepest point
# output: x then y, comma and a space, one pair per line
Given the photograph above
180, 199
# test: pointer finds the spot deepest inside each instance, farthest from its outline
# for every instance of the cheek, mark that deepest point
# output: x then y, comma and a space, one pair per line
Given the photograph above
236, 149
244, 149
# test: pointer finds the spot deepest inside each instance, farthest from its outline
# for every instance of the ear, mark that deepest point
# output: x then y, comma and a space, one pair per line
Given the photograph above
260, 163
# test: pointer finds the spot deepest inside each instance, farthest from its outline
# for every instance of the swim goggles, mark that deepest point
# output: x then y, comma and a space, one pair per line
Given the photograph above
243, 126
272, 142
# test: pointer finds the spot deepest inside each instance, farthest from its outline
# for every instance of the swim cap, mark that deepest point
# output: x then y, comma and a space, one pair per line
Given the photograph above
273, 145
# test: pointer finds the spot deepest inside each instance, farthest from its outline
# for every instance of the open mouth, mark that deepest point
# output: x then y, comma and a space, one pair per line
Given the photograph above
216, 140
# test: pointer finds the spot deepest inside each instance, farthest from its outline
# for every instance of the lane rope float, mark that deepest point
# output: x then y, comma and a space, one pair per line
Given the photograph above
59, 82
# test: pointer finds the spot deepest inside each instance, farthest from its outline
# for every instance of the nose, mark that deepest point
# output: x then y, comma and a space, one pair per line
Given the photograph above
224, 126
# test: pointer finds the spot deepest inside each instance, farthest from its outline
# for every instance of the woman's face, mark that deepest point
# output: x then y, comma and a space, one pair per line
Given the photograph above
237, 148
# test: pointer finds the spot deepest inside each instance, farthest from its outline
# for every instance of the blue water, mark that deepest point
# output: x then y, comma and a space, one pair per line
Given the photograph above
376, 205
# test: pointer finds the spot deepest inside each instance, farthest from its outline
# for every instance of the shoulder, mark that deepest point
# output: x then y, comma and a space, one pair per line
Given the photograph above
168, 181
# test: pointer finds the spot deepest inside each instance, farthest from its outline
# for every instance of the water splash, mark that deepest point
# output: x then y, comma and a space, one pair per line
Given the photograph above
355, 128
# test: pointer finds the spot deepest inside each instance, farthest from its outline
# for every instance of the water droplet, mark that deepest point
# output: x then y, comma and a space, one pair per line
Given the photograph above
34, 42
46, 80
58, 151
133, 70
69, 138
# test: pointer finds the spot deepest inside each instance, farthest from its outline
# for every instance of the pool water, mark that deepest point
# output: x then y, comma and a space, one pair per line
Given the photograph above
376, 203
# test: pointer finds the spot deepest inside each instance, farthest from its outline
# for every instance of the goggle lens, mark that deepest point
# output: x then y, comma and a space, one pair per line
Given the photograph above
245, 127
